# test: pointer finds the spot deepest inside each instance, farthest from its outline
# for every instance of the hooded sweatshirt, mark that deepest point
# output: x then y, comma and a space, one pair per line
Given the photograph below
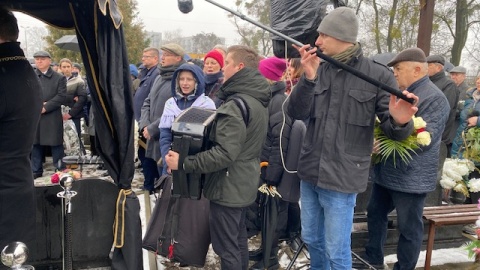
180, 102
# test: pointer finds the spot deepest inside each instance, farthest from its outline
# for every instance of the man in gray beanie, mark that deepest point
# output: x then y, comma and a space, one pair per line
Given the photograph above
340, 110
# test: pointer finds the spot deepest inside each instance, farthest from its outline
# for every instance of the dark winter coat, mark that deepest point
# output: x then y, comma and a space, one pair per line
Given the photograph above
213, 82
20, 107
462, 96
462, 90
471, 107
420, 174
340, 109
76, 88
152, 109
449, 89
271, 148
54, 89
232, 164
147, 76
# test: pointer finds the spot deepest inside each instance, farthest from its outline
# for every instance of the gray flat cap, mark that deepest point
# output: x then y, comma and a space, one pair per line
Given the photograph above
436, 59
409, 55
42, 54
173, 48
458, 69
77, 65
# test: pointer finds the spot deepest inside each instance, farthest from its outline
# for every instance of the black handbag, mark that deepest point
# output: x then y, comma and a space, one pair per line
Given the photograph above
179, 227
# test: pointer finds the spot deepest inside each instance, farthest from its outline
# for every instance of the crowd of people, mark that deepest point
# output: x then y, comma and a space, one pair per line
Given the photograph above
309, 123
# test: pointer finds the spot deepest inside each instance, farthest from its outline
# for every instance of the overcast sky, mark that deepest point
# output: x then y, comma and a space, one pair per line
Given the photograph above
164, 15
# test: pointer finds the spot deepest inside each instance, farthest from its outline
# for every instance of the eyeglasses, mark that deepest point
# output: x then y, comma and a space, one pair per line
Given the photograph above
167, 54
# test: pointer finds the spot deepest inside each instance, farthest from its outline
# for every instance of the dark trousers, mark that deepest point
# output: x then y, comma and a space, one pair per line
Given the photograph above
294, 226
93, 148
37, 156
409, 208
150, 170
229, 236
78, 127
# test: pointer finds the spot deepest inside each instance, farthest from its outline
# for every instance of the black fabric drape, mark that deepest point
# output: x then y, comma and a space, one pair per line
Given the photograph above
102, 45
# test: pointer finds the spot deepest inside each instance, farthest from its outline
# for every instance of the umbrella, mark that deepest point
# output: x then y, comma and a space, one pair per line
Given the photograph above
269, 214
68, 42
98, 25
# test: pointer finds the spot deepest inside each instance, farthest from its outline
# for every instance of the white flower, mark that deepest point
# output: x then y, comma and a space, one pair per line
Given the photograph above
452, 173
423, 138
474, 185
419, 123
447, 183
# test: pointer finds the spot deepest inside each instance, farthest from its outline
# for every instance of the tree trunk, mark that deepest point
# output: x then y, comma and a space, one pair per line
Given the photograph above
461, 31
377, 28
425, 26
393, 13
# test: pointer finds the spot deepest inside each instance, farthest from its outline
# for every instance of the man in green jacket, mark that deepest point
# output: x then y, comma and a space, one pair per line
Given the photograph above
232, 165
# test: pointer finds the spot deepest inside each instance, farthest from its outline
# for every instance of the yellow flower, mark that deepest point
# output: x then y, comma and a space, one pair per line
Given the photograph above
423, 138
418, 123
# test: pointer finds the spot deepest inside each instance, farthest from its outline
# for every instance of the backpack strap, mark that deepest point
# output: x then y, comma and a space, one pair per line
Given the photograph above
242, 105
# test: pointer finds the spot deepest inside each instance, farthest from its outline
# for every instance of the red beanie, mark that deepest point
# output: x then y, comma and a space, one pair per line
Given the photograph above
215, 55
272, 68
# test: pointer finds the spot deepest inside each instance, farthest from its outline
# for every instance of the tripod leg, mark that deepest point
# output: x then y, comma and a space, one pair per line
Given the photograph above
363, 261
295, 256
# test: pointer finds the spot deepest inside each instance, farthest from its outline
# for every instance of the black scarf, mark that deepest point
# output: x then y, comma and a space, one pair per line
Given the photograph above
213, 78
167, 71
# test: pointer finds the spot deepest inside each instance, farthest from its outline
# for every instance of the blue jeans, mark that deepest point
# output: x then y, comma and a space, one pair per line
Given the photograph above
409, 208
327, 218
37, 156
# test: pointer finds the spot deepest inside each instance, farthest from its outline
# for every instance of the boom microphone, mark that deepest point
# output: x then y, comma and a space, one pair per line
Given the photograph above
185, 6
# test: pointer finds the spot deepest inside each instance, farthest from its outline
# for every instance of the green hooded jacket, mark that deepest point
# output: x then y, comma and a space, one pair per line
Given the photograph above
232, 165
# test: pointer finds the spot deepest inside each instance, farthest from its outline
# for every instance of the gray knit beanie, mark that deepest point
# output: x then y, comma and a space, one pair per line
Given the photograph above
341, 23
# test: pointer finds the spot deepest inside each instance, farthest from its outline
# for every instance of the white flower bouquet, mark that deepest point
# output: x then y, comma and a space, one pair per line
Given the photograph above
455, 176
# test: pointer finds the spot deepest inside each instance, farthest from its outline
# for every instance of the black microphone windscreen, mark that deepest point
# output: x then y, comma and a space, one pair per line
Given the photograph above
185, 6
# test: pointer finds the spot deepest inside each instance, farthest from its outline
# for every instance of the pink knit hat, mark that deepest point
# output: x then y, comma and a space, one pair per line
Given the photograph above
272, 68
215, 55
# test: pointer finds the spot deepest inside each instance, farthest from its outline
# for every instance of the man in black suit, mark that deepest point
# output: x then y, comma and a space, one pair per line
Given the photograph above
20, 107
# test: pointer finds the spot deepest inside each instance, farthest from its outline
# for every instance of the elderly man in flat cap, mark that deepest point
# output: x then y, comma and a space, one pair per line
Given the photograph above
401, 186
458, 75
340, 111
437, 75
152, 109
50, 128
